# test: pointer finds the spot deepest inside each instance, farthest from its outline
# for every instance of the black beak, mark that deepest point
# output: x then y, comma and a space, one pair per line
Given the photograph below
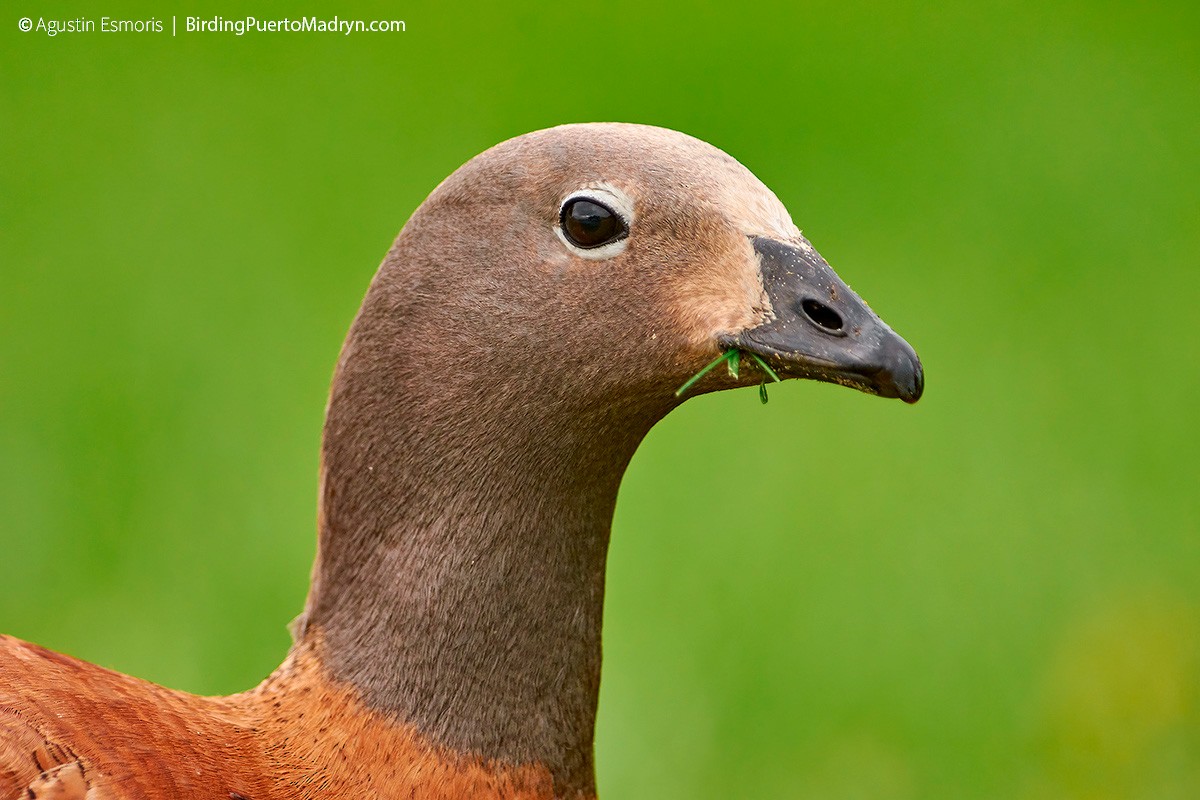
823, 331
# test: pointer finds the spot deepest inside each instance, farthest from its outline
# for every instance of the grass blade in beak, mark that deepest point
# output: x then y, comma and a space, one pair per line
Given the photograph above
766, 368
733, 362
692, 380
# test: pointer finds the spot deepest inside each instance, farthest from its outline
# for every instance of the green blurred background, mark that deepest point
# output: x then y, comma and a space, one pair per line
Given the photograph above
993, 594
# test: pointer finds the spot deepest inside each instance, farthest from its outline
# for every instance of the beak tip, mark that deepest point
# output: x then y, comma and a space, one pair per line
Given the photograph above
918, 387
904, 375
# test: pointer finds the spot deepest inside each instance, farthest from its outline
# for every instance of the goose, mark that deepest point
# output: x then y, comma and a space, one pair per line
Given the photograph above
537, 314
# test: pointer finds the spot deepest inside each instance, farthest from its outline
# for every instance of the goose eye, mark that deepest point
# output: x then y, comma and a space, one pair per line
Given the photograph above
587, 223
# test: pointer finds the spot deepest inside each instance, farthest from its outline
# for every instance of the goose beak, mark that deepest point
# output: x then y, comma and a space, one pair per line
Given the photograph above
823, 331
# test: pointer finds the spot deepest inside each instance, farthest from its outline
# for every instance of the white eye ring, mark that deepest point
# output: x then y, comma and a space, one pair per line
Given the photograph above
610, 197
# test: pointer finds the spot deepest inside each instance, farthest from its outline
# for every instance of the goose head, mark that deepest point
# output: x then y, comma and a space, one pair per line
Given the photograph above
607, 263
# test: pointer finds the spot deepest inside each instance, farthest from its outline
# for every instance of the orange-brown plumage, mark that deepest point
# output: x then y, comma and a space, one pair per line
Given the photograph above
528, 327
297, 735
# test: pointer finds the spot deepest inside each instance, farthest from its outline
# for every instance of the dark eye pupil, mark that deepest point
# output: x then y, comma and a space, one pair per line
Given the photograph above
589, 224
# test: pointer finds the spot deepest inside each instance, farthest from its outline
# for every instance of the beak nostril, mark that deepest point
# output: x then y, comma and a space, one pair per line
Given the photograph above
821, 315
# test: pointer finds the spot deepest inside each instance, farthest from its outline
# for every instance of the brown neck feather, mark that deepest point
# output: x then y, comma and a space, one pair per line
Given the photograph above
465, 517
